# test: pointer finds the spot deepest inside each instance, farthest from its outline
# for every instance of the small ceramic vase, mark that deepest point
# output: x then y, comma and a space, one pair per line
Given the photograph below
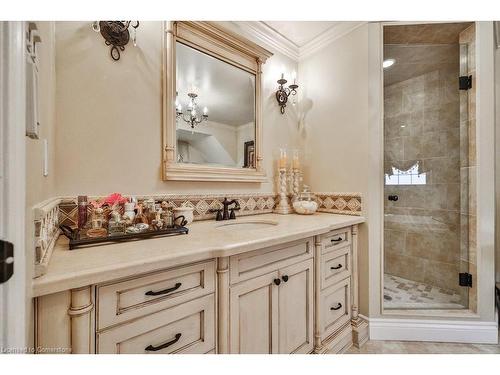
183, 211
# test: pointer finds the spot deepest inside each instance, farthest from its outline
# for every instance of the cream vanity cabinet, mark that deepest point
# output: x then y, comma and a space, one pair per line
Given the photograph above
271, 300
294, 297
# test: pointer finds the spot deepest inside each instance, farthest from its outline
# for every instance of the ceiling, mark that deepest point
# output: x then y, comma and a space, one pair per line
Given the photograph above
421, 49
300, 32
430, 33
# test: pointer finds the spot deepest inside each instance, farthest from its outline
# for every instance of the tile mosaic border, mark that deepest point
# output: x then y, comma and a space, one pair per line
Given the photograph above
250, 204
63, 211
339, 203
46, 221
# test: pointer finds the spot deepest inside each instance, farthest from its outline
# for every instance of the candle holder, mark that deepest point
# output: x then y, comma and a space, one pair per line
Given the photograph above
283, 207
295, 184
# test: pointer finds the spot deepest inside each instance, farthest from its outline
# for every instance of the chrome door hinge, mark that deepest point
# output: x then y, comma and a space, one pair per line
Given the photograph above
6, 261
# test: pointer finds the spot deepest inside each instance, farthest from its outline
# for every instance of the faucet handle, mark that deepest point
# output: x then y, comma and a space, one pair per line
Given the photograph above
218, 214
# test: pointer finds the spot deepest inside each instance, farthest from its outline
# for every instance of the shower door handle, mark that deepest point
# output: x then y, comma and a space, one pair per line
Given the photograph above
393, 198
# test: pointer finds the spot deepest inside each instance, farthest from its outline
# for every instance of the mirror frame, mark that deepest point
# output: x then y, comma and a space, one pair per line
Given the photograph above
209, 38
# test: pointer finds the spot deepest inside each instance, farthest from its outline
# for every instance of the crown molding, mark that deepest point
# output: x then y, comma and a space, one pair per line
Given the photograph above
333, 33
263, 33
259, 31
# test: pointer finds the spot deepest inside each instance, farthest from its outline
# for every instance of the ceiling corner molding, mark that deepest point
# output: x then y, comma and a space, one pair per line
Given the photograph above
262, 33
328, 37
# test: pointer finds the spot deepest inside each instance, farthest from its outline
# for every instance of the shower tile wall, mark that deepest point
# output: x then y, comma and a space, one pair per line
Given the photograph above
422, 125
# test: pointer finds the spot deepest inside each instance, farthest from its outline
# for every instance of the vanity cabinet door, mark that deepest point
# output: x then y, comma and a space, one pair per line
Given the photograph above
254, 315
296, 314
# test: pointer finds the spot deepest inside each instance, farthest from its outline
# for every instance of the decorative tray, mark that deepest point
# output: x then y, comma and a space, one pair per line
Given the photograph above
78, 238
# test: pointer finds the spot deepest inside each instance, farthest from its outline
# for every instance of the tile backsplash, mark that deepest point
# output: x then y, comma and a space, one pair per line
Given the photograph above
250, 203
64, 211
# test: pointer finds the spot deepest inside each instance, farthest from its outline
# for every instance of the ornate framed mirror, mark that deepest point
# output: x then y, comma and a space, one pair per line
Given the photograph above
212, 104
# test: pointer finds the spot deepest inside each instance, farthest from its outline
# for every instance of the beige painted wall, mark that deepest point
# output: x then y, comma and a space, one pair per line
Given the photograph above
108, 135
38, 187
335, 125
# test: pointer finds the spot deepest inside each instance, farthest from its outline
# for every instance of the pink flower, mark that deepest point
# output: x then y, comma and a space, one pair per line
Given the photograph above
115, 199
97, 203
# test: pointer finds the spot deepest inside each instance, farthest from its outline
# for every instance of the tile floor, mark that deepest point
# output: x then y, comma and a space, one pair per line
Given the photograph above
412, 347
400, 293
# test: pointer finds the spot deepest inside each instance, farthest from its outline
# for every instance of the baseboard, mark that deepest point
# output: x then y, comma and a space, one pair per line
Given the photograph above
433, 330
340, 341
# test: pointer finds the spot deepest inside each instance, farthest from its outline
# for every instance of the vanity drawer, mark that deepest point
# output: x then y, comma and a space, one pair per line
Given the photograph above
335, 307
187, 328
336, 239
129, 299
256, 263
335, 266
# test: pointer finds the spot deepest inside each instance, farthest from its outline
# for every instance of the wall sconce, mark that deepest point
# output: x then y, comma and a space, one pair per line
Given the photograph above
284, 92
116, 34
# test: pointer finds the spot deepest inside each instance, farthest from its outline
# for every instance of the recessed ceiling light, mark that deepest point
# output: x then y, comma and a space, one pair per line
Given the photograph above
388, 63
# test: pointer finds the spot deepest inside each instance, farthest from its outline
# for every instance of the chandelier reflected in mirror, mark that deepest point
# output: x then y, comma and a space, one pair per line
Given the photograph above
192, 115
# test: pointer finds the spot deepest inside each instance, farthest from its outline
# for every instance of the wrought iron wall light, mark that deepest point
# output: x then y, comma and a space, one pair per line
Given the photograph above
192, 116
116, 34
283, 92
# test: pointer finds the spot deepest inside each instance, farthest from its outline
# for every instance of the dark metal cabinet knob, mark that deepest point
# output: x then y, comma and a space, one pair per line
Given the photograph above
284, 278
277, 281
393, 198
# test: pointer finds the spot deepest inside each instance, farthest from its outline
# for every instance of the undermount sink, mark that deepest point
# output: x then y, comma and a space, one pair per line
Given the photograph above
247, 225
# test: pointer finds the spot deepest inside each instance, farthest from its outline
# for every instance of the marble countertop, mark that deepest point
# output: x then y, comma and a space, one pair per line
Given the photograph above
70, 269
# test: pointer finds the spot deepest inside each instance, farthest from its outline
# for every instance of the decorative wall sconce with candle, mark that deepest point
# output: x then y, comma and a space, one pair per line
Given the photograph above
192, 116
116, 34
283, 92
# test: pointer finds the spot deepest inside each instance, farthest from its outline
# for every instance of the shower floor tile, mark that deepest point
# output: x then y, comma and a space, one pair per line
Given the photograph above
401, 293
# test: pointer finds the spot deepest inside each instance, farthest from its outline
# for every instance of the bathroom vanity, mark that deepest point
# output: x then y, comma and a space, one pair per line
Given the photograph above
262, 284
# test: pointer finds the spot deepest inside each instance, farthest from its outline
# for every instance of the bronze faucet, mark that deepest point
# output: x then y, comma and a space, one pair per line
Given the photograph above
225, 215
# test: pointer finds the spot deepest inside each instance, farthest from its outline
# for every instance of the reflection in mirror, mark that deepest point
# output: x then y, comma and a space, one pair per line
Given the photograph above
215, 111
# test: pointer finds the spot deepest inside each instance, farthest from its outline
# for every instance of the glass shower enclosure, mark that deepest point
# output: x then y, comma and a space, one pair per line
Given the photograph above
429, 167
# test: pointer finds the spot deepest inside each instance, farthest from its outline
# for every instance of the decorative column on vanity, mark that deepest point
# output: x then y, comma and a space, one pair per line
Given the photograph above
359, 325
223, 305
82, 322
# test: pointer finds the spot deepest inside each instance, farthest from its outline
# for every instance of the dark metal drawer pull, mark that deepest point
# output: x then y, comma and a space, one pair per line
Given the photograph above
337, 239
152, 348
336, 308
337, 267
164, 291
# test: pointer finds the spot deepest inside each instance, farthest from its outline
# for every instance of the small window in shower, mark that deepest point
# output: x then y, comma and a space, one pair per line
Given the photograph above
408, 177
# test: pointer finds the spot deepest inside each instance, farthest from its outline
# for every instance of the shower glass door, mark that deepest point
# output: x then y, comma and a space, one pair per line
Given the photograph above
427, 166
